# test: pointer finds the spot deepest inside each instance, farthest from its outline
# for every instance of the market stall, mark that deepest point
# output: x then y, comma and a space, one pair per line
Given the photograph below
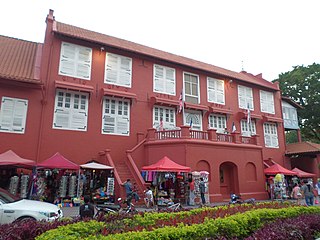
303, 174
56, 180
97, 179
169, 179
16, 182
195, 195
279, 184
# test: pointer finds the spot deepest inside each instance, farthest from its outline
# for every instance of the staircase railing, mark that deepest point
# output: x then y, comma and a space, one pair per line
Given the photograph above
133, 167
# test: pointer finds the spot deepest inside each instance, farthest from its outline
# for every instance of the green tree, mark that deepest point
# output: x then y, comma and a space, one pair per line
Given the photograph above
302, 85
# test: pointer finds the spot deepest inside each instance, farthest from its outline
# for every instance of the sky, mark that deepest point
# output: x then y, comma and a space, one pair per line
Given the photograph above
268, 37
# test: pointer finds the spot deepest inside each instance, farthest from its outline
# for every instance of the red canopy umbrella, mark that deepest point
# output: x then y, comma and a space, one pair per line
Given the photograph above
58, 161
10, 158
166, 165
303, 174
276, 168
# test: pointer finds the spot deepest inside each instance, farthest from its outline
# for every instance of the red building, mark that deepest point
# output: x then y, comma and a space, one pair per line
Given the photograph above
92, 96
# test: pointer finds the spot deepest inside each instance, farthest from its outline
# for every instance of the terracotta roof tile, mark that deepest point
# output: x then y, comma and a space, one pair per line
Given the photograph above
91, 36
303, 147
19, 59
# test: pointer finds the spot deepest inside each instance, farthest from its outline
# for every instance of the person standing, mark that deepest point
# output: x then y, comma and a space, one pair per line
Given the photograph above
307, 191
87, 209
296, 193
202, 189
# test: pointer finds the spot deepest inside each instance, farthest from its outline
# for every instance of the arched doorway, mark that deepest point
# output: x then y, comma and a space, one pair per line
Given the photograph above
228, 179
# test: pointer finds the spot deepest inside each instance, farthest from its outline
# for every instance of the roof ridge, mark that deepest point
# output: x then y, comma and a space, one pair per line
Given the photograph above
101, 38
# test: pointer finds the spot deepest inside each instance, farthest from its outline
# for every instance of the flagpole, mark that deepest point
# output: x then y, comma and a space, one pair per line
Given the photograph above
183, 116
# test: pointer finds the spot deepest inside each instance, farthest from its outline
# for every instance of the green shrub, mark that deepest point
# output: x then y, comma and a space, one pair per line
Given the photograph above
73, 231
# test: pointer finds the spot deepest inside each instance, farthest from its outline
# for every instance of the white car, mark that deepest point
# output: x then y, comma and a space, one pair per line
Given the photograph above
15, 209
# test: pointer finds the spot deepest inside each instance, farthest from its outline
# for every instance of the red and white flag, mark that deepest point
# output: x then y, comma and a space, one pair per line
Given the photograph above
180, 102
233, 128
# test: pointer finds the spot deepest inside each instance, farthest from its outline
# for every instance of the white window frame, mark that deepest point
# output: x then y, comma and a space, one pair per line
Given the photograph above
168, 116
196, 117
71, 110
266, 102
215, 90
13, 115
248, 129
270, 135
245, 97
118, 70
117, 110
73, 61
218, 122
164, 80
191, 95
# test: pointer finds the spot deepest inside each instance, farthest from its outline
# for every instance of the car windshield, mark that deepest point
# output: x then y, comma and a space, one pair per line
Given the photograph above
7, 197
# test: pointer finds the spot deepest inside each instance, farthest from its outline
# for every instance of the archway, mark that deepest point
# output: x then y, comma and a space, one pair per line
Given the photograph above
229, 183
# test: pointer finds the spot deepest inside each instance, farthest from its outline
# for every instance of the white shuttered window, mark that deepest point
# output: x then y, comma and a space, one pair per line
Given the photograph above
245, 97
266, 102
191, 88
270, 135
118, 70
71, 110
116, 116
75, 61
13, 115
248, 129
215, 89
167, 115
218, 122
193, 119
164, 80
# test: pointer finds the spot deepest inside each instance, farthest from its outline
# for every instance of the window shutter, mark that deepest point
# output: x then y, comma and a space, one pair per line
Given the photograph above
13, 115
211, 91
84, 63
67, 59
241, 97
170, 81
159, 79
78, 120
109, 124
111, 68
220, 91
274, 141
19, 116
123, 125
118, 70
125, 71
6, 114
61, 118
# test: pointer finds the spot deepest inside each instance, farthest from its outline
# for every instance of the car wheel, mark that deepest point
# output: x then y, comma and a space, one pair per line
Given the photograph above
25, 219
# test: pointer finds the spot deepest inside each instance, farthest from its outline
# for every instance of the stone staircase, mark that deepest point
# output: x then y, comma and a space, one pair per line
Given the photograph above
124, 173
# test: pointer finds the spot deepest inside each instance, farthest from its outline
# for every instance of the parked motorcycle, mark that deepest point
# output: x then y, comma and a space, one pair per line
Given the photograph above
236, 199
122, 206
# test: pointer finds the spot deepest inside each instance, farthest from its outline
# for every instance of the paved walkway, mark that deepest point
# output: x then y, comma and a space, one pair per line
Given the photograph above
74, 211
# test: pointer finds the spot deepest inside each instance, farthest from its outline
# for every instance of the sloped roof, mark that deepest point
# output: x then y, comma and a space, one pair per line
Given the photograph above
291, 102
303, 147
20, 60
106, 40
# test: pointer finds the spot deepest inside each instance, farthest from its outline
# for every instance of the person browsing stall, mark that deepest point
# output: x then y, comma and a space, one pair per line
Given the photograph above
87, 209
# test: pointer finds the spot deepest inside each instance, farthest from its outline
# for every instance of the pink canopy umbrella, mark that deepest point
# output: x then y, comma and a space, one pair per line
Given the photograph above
166, 165
10, 158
